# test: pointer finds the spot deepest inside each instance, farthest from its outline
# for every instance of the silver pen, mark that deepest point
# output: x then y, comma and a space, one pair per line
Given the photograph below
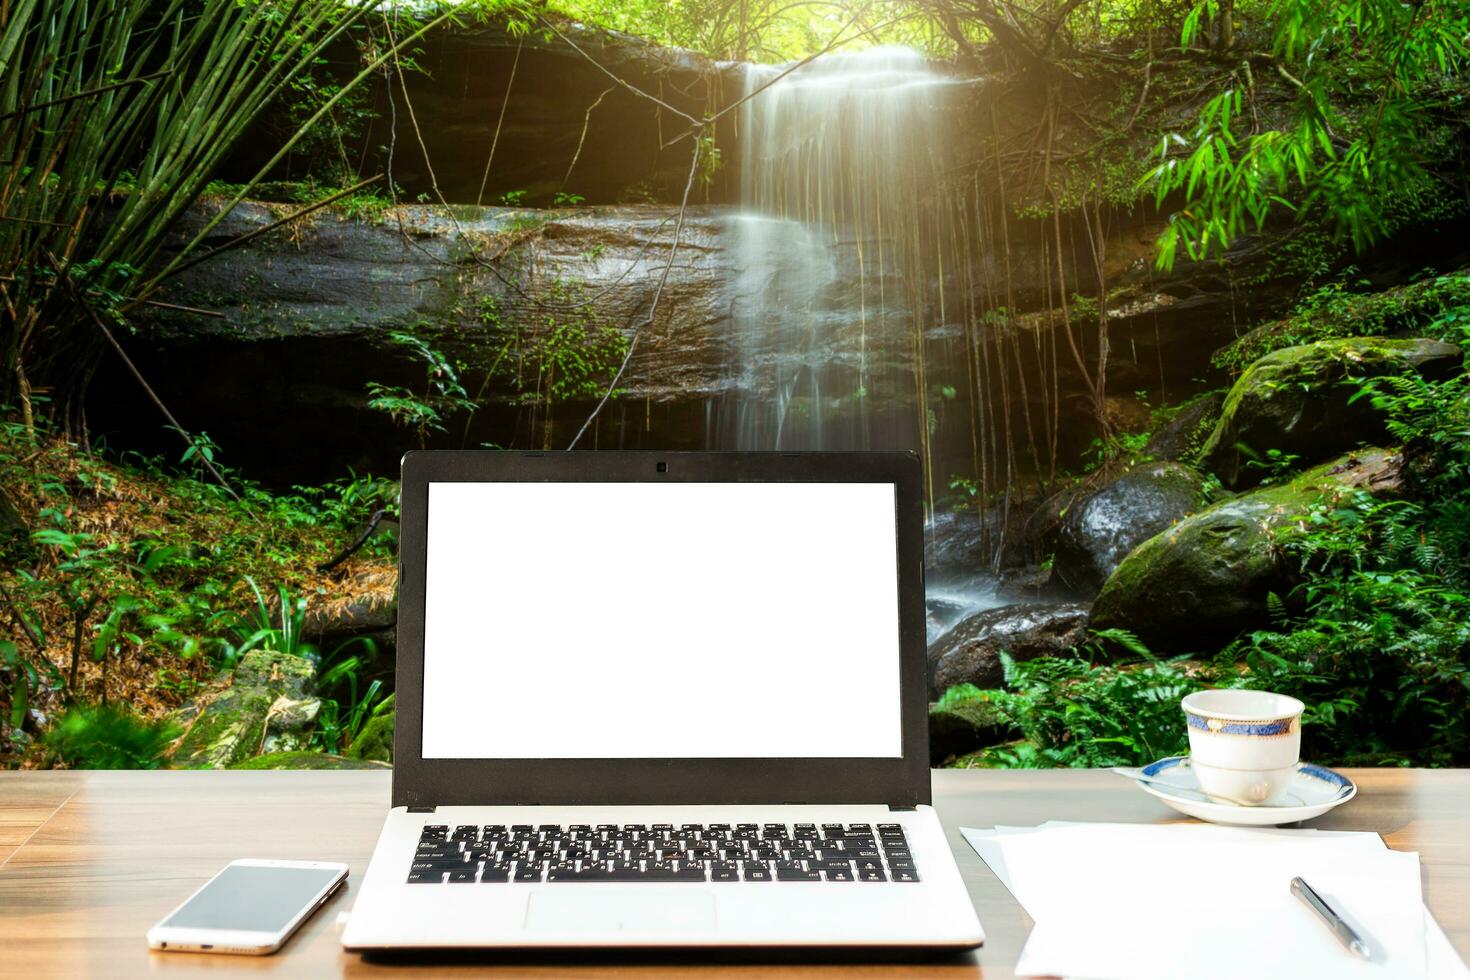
1331, 919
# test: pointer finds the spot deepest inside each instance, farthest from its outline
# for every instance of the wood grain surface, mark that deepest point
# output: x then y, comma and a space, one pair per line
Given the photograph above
88, 861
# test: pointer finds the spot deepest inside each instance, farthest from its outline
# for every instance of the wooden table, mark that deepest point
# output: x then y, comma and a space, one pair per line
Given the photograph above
90, 860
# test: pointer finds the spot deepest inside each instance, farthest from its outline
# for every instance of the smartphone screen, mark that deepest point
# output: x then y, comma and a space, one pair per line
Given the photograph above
259, 899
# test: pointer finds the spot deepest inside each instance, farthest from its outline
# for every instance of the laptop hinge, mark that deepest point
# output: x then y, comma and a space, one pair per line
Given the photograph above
421, 809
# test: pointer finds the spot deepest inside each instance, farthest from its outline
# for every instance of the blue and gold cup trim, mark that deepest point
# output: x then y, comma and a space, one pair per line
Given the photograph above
1269, 728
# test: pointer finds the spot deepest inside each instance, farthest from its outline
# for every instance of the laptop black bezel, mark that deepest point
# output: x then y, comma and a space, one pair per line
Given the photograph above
902, 781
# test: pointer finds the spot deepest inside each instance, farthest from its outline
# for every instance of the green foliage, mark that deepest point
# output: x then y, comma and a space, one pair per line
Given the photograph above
143, 95
1276, 466
571, 354
1121, 447
442, 394
1381, 653
1368, 75
1435, 306
340, 721
109, 737
1071, 712
140, 563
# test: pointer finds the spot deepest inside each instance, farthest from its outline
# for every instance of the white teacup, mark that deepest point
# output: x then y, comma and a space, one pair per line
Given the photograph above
1243, 745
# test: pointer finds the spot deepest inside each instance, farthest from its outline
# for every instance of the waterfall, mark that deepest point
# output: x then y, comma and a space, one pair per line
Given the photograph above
838, 161
861, 257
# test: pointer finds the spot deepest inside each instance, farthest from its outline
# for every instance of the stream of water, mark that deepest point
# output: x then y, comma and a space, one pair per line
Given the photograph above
841, 161
837, 160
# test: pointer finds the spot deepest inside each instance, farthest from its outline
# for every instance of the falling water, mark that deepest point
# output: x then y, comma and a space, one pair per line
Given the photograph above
855, 257
838, 160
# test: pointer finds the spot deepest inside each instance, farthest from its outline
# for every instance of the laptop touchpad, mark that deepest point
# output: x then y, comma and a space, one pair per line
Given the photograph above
607, 911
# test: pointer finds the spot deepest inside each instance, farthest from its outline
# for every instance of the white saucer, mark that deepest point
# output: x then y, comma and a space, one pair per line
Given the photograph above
1313, 791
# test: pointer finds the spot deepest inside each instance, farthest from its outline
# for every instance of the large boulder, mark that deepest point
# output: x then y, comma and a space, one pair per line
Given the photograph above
1098, 531
265, 706
1299, 400
1199, 584
970, 652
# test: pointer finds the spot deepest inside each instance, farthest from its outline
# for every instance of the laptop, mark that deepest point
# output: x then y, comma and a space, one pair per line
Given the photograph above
661, 700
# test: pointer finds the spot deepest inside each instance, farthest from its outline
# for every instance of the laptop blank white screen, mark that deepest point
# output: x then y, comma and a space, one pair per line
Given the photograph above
661, 620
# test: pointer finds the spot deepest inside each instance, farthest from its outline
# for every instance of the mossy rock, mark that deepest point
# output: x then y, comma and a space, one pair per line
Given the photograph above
963, 725
1102, 527
970, 652
375, 741
306, 760
1199, 584
231, 725
1299, 401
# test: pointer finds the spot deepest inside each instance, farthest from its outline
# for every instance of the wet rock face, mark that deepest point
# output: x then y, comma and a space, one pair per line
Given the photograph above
1299, 400
553, 93
307, 321
1200, 583
1099, 530
970, 652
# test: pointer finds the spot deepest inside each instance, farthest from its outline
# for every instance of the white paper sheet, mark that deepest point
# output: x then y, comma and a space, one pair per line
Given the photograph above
1127, 900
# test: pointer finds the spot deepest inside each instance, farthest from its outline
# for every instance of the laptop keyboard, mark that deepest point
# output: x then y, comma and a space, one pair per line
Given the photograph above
662, 852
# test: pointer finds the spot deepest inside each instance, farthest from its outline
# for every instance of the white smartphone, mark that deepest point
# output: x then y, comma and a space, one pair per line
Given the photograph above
250, 907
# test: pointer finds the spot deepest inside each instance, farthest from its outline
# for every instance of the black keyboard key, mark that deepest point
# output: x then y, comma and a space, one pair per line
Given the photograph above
901, 865
871, 874
615, 875
527, 873
834, 874
495, 872
468, 874
425, 877
796, 874
757, 873
724, 874
905, 874
437, 866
